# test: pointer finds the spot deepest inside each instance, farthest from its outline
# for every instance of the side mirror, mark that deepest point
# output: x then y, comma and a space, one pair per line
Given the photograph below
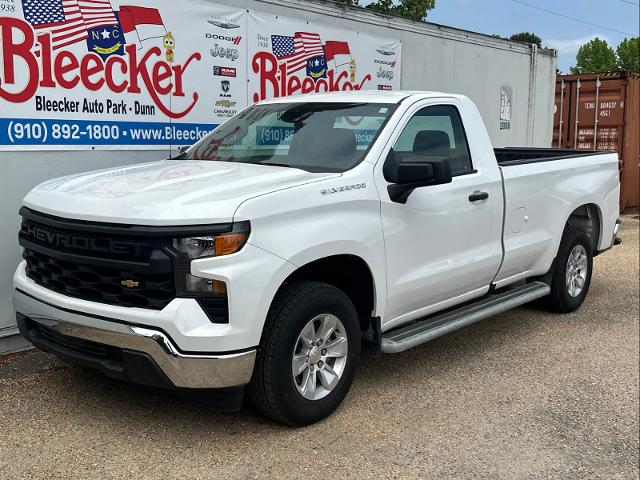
184, 149
407, 173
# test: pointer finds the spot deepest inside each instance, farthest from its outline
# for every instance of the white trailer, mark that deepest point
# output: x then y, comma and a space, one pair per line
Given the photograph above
511, 83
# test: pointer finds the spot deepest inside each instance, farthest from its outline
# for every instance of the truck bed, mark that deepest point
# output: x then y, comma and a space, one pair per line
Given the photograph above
518, 155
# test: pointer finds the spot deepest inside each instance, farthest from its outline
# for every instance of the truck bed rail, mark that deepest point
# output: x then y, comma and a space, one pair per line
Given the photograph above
509, 156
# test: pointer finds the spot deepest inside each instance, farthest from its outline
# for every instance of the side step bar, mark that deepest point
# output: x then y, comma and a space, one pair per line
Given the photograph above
404, 338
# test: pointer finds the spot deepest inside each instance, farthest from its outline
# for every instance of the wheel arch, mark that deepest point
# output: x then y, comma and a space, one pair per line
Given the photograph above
349, 273
588, 218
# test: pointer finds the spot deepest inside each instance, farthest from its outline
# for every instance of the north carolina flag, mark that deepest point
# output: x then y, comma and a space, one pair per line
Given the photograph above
333, 48
146, 22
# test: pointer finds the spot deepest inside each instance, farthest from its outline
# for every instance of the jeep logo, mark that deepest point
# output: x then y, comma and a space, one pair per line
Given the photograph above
230, 53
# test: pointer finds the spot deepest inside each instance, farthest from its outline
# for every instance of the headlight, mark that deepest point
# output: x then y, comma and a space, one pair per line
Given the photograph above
203, 246
211, 245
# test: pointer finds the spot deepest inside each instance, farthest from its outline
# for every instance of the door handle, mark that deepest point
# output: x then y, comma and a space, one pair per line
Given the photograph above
478, 195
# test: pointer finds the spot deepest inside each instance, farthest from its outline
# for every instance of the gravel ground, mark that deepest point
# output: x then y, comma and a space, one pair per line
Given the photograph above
525, 395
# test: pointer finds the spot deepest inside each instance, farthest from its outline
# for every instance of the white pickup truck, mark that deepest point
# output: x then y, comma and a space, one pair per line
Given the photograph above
299, 233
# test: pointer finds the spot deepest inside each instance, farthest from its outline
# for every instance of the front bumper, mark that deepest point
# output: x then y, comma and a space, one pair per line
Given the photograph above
127, 351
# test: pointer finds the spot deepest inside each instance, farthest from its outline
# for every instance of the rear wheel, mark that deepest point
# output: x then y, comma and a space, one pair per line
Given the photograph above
308, 355
571, 272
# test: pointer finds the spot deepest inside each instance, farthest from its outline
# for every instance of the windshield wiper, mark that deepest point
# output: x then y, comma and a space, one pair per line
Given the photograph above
275, 164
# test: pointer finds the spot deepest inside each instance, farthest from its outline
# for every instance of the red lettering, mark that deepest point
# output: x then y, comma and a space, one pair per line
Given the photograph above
60, 69
12, 49
178, 70
293, 85
266, 64
140, 69
108, 70
282, 76
132, 53
87, 70
309, 86
321, 86
162, 72
366, 78
334, 82
45, 43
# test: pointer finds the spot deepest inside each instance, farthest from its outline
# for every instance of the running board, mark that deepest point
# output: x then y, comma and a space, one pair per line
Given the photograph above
404, 338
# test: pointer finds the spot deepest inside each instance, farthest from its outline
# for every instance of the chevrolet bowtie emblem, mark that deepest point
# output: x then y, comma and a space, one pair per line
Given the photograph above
130, 283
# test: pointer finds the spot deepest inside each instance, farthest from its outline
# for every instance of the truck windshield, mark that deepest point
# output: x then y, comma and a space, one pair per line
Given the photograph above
317, 137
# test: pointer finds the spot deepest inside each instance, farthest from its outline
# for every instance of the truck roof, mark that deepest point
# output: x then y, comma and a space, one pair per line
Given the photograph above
368, 96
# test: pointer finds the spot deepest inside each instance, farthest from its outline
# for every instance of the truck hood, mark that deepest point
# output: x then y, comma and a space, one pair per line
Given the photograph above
169, 192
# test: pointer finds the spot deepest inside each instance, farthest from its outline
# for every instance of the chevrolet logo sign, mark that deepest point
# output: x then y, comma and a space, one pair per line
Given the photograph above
130, 283
225, 103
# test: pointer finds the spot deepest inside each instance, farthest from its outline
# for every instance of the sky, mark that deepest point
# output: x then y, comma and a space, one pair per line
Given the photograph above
505, 17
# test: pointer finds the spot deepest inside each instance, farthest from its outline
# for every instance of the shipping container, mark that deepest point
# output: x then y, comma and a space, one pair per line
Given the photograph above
512, 83
602, 112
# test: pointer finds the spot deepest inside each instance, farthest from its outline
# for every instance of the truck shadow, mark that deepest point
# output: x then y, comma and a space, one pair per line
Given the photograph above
505, 343
465, 352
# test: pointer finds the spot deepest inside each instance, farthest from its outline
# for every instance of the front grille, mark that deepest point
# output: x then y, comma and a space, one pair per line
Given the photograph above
101, 266
99, 284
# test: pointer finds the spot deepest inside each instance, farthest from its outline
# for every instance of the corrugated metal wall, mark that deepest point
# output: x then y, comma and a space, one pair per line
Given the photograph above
602, 112
434, 57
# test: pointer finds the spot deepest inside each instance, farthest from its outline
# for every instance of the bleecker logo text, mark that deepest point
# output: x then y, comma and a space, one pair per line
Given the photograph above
64, 70
275, 80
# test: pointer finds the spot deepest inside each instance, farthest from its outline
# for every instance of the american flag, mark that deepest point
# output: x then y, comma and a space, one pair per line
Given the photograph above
296, 50
97, 13
62, 18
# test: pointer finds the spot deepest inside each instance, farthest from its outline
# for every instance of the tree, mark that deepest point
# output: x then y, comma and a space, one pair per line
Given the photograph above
629, 54
413, 9
595, 56
526, 37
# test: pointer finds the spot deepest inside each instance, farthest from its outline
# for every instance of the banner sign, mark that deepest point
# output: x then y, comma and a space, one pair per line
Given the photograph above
78, 74
291, 57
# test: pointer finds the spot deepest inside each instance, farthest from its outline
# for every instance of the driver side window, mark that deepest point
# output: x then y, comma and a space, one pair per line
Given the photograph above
436, 132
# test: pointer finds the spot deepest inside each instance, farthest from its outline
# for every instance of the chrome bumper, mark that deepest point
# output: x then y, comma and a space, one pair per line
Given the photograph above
182, 369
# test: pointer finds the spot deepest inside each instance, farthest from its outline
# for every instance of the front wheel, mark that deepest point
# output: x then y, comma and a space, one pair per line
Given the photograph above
308, 354
571, 272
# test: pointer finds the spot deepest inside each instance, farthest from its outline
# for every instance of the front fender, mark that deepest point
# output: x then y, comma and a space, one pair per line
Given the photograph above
303, 224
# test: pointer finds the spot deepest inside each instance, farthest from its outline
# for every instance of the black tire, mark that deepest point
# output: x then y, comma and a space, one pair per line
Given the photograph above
559, 300
272, 389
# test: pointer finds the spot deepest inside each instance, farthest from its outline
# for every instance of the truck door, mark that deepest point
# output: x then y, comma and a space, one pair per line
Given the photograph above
443, 246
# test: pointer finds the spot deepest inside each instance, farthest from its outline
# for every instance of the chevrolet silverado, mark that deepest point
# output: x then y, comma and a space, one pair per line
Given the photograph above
300, 233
